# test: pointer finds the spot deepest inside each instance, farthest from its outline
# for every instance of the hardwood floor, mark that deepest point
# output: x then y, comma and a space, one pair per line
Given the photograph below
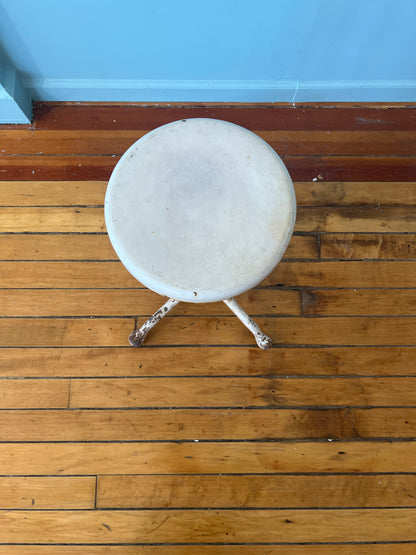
200, 443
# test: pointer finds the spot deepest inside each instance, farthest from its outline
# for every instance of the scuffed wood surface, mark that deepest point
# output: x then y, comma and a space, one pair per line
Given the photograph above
199, 442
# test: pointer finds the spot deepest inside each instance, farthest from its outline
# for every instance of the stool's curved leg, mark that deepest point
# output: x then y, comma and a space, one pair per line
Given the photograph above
263, 341
137, 337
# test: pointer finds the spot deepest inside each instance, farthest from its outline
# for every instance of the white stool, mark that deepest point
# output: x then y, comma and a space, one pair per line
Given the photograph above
200, 210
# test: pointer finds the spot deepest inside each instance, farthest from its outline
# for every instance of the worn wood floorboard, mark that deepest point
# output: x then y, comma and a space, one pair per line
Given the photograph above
90, 142
258, 549
213, 361
208, 424
302, 168
112, 275
319, 193
396, 219
200, 443
208, 457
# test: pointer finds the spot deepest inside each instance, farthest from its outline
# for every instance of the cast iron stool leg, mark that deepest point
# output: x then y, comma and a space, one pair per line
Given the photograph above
263, 341
137, 337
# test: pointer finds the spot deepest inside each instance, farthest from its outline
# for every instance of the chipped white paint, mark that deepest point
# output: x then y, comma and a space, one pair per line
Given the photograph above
262, 340
137, 337
200, 210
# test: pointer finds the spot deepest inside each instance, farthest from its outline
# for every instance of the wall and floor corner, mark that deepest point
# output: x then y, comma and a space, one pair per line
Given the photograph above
189, 51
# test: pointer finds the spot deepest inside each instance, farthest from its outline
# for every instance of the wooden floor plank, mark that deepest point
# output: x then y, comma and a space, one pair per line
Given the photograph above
65, 274
138, 492
52, 193
309, 445
92, 193
350, 168
87, 142
207, 424
105, 142
226, 330
356, 219
109, 275
361, 193
64, 331
231, 526
223, 457
57, 168
301, 168
45, 220
212, 361
309, 219
376, 246
47, 492
241, 392
343, 274
57, 247
130, 302
34, 393
384, 548
389, 118
341, 143
95, 247
349, 302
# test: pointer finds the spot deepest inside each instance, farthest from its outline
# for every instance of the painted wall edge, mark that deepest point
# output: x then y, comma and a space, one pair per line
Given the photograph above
15, 99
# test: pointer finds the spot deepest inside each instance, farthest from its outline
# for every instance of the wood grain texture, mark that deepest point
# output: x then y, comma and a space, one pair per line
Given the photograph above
212, 361
113, 275
47, 492
349, 246
200, 442
214, 526
350, 168
309, 219
67, 275
349, 302
341, 490
359, 117
33, 393
212, 330
356, 219
301, 168
310, 193
248, 392
342, 274
45, 220
384, 548
361, 193
94, 247
72, 246
207, 424
222, 457
57, 168
133, 302
52, 193
105, 142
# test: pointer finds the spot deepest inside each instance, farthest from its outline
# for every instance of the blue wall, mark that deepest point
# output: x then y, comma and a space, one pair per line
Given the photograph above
216, 50
15, 102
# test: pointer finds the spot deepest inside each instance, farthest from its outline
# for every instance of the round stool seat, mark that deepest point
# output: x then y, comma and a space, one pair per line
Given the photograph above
200, 210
